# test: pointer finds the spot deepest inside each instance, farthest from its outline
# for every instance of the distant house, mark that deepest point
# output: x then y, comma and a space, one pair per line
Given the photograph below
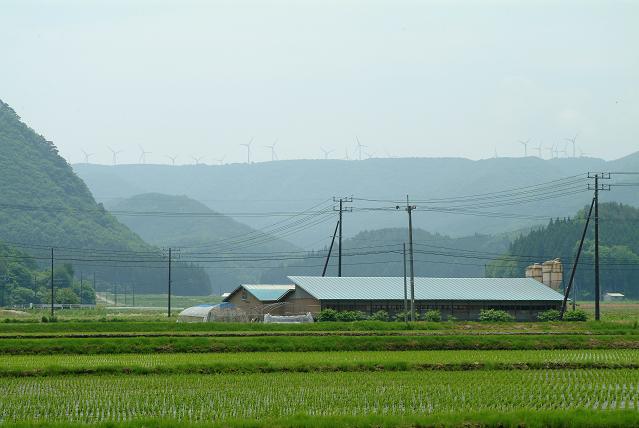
260, 299
461, 298
613, 297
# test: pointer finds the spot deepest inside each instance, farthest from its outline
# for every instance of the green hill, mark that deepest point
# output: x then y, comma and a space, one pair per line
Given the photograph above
619, 250
380, 253
209, 237
45, 204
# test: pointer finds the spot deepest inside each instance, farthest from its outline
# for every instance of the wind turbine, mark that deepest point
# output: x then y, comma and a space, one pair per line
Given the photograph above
573, 141
248, 150
197, 159
359, 147
555, 150
551, 150
115, 154
143, 154
326, 152
87, 156
346, 157
538, 148
272, 147
173, 158
525, 144
496, 155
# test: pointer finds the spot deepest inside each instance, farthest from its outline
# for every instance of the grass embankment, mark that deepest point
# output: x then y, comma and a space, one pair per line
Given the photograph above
528, 419
311, 343
269, 362
141, 327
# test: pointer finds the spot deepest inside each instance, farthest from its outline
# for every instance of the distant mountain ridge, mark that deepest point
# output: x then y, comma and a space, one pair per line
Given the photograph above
298, 184
379, 253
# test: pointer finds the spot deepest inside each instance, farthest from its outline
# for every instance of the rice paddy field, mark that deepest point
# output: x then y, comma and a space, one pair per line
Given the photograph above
156, 373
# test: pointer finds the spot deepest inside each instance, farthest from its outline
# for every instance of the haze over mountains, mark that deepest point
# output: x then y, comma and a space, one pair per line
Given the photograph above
256, 222
251, 192
216, 241
46, 205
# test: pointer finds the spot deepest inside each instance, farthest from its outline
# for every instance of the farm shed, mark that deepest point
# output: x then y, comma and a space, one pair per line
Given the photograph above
259, 299
208, 313
461, 298
613, 297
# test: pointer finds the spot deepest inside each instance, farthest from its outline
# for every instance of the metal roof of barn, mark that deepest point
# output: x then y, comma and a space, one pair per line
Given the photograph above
268, 292
392, 288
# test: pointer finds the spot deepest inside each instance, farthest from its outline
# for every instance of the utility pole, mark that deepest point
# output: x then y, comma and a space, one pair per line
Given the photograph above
409, 210
169, 297
405, 290
597, 188
52, 291
341, 209
81, 279
597, 285
94, 290
133, 290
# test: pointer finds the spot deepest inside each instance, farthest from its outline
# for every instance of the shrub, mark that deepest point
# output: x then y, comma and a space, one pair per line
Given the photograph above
380, 316
494, 315
549, 315
577, 315
327, 315
350, 316
361, 316
433, 315
44, 318
399, 316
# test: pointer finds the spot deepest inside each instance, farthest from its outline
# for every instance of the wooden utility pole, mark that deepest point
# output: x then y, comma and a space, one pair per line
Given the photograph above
52, 290
409, 209
597, 187
169, 296
405, 288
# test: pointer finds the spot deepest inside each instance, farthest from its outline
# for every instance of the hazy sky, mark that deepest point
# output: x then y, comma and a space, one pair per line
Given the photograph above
409, 78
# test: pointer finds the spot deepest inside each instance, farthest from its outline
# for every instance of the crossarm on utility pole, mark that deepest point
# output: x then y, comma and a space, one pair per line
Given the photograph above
574, 266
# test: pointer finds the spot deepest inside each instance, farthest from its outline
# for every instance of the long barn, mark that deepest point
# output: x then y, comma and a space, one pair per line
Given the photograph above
462, 298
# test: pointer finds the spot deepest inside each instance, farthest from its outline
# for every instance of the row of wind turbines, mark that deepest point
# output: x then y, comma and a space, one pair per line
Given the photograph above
553, 150
197, 160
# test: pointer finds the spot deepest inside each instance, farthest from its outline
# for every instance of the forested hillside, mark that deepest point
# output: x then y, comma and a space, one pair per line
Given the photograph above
380, 253
44, 204
206, 236
619, 250
23, 282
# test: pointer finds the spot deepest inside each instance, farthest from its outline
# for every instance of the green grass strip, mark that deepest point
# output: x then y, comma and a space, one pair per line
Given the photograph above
309, 343
609, 327
518, 419
269, 362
